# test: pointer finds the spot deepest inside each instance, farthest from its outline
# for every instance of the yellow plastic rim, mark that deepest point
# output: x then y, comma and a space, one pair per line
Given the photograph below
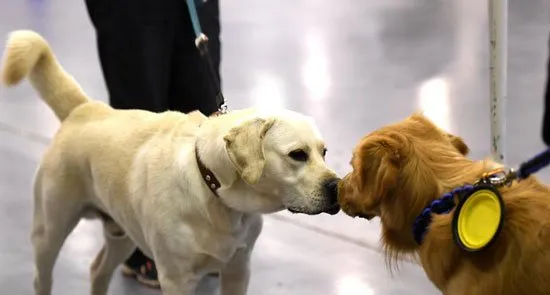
479, 219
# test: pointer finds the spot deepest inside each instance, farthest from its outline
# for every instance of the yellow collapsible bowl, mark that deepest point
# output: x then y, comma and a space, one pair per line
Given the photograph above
478, 218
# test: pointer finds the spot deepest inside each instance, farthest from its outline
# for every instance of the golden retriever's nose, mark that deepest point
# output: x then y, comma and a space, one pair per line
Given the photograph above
331, 192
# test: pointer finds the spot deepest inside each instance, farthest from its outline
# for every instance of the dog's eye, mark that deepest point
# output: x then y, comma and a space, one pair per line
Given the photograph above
324, 152
298, 155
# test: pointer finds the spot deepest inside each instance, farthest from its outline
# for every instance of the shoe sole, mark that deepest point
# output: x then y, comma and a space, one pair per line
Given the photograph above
126, 271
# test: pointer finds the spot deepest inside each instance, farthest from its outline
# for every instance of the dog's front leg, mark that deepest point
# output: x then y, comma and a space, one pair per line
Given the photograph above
175, 271
178, 286
177, 280
175, 258
236, 273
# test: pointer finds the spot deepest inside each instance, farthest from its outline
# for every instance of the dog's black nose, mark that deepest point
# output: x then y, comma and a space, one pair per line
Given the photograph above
331, 189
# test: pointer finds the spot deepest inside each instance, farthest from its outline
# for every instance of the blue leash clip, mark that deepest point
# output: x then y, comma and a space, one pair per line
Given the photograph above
525, 170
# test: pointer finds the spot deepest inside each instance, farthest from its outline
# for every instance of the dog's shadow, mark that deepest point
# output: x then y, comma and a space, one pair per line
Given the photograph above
209, 285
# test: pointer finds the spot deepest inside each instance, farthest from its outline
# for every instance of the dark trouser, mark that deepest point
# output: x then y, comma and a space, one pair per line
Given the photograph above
546, 120
148, 54
149, 59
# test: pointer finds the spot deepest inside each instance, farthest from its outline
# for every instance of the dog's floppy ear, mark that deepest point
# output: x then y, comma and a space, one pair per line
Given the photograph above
244, 148
459, 144
378, 160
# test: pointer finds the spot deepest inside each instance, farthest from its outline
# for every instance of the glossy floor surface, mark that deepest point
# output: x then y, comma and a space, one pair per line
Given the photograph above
353, 65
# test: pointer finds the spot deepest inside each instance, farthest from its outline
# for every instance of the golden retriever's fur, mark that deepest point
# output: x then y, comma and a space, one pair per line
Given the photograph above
400, 169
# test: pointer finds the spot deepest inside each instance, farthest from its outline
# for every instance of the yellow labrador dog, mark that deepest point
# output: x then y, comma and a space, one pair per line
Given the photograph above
187, 189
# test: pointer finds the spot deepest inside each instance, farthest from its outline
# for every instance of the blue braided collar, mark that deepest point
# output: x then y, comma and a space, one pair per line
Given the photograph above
443, 205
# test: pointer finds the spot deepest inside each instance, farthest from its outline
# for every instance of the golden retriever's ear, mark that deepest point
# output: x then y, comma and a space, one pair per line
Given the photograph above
459, 144
377, 161
456, 141
244, 148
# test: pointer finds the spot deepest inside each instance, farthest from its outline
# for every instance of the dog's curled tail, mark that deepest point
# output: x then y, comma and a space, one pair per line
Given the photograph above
28, 54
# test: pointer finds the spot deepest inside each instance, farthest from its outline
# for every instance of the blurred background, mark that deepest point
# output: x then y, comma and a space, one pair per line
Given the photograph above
352, 65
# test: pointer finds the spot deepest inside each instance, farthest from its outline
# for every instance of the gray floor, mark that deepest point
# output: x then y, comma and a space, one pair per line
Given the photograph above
353, 65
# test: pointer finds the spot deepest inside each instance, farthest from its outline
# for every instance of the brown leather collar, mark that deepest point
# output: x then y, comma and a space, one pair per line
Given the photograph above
207, 175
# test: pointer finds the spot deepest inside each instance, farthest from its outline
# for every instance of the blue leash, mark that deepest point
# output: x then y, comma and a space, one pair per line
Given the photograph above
201, 41
534, 165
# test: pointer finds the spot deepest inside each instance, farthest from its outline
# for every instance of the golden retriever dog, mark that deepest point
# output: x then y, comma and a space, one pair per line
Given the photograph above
400, 169
187, 189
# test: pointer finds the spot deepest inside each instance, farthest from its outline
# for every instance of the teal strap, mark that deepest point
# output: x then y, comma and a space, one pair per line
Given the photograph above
192, 6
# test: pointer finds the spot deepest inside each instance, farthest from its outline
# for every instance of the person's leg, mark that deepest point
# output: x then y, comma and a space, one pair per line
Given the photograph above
135, 43
191, 87
209, 14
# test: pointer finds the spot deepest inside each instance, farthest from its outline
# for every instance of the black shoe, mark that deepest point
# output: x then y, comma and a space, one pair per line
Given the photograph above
144, 272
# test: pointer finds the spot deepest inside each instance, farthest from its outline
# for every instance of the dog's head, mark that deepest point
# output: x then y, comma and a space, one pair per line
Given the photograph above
282, 158
397, 171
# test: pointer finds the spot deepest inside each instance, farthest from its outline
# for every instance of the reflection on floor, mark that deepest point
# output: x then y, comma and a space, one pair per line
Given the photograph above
353, 65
